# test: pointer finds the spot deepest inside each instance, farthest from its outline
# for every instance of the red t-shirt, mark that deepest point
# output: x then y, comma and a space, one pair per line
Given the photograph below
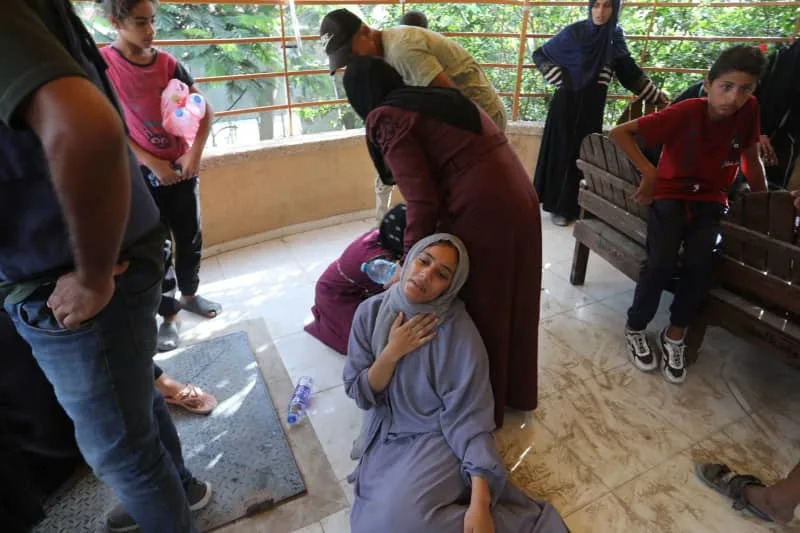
700, 157
139, 89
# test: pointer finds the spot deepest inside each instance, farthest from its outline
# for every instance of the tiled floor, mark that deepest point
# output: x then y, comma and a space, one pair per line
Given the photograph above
611, 447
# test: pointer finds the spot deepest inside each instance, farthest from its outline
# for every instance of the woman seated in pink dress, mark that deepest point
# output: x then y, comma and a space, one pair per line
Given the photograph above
343, 286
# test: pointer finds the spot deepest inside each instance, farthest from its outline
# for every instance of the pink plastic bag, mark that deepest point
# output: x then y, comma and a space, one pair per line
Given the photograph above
181, 110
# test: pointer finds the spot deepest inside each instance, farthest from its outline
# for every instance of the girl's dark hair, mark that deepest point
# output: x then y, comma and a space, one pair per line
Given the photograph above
121, 9
747, 59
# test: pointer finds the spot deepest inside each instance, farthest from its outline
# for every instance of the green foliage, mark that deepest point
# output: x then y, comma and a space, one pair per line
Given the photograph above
182, 21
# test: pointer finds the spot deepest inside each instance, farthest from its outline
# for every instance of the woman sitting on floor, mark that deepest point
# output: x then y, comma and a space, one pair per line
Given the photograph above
343, 286
416, 364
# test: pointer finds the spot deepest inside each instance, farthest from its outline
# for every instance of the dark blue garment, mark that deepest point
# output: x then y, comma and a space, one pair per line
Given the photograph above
582, 49
33, 234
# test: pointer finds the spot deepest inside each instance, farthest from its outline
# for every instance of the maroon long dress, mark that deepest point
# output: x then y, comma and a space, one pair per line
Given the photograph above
475, 187
341, 288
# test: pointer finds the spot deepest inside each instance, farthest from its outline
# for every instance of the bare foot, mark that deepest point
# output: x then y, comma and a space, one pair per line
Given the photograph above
764, 499
168, 387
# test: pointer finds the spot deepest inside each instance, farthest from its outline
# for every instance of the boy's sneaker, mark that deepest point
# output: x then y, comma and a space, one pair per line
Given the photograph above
639, 350
673, 362
197, 492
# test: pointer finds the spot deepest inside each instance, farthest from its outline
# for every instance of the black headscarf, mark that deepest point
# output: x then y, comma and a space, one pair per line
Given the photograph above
392, 230
371, 82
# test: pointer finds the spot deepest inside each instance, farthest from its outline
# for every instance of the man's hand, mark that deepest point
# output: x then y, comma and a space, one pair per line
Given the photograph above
766, 151
478, 519
190, 165
164, 172
76, 300
644, 194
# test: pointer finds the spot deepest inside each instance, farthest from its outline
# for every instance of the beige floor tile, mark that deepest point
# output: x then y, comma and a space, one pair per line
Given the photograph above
337, 422
788, 406
557, 244
543, 467
621, 303
558, 295
673, 500
303, 355
617, 436
602, 279
210, 270
314, 250
313, 528
764, 444
288, 310
245, 296
347, 488
560, 366
608, 514
699, 407
755, 377
594, 331
272, 261
337, 523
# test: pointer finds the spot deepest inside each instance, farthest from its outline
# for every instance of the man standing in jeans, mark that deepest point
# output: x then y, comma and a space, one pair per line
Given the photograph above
81, 261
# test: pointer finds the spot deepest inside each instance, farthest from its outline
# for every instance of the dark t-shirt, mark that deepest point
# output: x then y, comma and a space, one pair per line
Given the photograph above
43, 40
700, 157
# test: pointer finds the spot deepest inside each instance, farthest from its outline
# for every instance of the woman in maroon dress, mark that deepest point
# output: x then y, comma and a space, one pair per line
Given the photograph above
343, 286
458, 174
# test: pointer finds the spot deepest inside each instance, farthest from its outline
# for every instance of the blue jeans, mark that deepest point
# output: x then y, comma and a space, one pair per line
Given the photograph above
102, 374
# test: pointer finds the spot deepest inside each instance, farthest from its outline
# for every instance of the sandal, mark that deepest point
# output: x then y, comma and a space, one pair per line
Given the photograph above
731, 485
193, 399
200, 306
168, 336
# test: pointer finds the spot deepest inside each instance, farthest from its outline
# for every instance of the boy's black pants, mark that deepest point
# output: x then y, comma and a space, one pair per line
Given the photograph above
670, 224
180, 212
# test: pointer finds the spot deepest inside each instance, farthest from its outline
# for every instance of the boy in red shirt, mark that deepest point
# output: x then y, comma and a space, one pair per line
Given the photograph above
705, 140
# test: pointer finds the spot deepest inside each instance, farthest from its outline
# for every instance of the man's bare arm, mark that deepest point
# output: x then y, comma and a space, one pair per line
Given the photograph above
84, 140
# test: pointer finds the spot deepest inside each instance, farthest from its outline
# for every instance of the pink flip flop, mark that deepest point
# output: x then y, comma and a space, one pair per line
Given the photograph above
193, 399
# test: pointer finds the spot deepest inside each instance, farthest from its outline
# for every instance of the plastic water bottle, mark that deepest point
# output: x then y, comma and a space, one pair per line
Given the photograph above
196, 105
299, 401
182, 123
379, 270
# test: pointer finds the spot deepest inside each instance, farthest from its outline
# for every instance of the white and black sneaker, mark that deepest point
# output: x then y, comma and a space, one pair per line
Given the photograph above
639, 350
673, 362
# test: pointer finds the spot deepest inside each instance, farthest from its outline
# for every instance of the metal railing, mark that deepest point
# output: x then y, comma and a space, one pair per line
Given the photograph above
521, 64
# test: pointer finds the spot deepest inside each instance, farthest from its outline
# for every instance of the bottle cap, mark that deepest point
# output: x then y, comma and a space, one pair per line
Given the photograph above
364, 267
292, 418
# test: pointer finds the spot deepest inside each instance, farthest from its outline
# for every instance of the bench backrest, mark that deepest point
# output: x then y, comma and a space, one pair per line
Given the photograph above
609, 181
760, 255
637, 109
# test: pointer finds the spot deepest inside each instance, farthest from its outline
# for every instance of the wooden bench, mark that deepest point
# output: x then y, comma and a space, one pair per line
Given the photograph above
637, 109
757, 287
